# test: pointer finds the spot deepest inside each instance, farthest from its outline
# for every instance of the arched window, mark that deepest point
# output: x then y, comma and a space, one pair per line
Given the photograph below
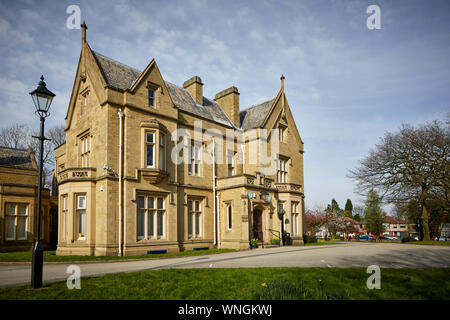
230, 217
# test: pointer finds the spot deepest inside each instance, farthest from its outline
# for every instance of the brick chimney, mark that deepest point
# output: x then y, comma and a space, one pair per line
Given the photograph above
228, 99
195, 87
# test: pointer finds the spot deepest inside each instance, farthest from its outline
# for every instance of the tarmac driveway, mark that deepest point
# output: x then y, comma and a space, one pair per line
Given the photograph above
385, 255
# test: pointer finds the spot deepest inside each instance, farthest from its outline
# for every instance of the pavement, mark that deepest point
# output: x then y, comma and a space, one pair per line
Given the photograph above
385, 255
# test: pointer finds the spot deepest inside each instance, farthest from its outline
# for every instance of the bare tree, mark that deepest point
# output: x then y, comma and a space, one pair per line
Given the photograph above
20, 136
15, 136
412, 163
57, 135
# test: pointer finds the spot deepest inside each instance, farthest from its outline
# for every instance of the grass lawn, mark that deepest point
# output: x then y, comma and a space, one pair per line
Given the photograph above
431, 242
50, 256
253, 283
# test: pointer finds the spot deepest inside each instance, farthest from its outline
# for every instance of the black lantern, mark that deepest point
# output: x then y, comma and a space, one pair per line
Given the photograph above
42, 99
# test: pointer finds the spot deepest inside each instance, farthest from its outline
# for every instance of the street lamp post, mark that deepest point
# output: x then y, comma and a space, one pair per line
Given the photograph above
42, 99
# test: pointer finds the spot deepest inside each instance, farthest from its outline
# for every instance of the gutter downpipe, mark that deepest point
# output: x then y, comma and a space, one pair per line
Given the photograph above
218, 221
214, 188
121, 114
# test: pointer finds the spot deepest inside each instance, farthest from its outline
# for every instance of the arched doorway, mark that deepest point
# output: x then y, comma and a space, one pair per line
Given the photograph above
257, 224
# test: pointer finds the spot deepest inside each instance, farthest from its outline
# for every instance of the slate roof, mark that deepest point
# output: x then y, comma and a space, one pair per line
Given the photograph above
115, 73
17, 158
122, 77
210, 109
253, 116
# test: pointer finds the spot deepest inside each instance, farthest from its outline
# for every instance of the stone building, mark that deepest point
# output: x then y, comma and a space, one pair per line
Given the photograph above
18, 201
121, 191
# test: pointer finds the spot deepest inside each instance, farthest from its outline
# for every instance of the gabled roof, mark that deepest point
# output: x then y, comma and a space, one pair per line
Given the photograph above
254, 116
116, 74
17, 158
121, 76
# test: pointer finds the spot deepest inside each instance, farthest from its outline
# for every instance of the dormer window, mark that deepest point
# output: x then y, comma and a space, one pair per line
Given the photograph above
151, 98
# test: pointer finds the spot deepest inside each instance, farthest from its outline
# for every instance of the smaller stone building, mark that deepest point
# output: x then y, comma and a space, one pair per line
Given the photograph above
18, 201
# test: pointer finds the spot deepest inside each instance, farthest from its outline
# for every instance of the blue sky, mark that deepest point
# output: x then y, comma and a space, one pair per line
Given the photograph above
346, 84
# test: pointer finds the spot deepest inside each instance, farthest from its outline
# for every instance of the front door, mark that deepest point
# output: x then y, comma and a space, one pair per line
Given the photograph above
257, 225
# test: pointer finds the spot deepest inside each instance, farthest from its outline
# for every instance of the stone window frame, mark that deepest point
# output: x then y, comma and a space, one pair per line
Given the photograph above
16, 216
197, 213
84, 149
152, 89
231, 166
77, 217
282, 171
158, 130
84, 101
282, 133
194, 163
151, 144
294, 217
155, 210
64, 216
229, 216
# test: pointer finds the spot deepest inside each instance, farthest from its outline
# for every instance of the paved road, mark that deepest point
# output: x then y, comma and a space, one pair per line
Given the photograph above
342, 256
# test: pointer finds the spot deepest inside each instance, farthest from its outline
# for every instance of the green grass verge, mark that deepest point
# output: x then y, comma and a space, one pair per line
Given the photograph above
253, 283
435, 243
50, 256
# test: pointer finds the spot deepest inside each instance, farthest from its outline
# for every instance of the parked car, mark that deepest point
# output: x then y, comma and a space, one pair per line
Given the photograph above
442, 239
363, 236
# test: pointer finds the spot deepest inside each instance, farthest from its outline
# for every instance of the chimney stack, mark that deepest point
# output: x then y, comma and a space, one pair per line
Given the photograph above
228, 99
195, 87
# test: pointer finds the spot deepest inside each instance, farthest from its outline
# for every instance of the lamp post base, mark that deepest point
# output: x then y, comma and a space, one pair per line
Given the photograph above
37, 265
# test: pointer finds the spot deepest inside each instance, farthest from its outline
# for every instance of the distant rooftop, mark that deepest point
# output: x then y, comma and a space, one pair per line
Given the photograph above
17, 158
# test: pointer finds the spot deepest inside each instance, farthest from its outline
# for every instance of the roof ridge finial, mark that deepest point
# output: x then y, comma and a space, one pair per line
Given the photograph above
83, 31
282, 82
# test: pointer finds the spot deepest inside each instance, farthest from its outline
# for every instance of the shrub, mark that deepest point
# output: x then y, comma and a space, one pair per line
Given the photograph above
309, 239
407, 239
